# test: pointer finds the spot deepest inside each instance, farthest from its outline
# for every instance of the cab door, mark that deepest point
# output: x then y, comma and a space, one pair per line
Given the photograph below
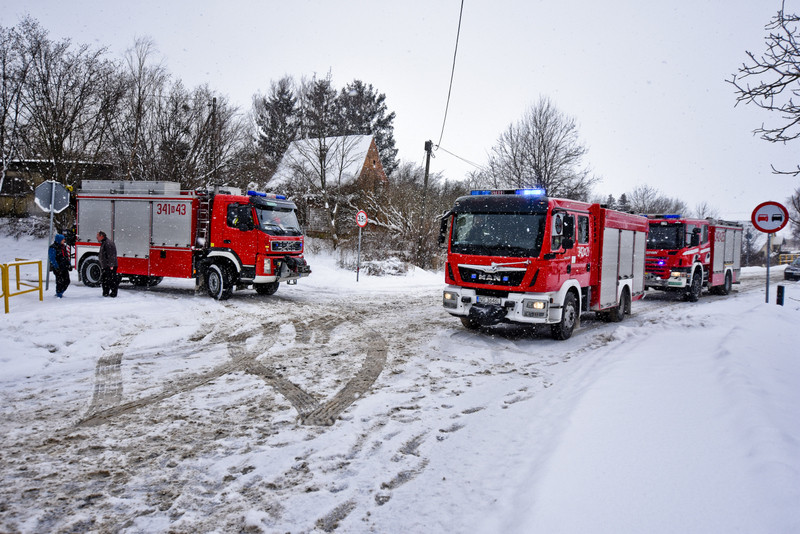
240, 233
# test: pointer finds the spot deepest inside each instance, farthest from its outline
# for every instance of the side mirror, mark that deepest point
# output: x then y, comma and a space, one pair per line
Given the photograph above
443, 231
558, 224
567, 242
695, 241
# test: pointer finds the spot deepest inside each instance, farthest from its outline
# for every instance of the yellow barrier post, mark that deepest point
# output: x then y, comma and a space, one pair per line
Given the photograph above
6, 268
4, 275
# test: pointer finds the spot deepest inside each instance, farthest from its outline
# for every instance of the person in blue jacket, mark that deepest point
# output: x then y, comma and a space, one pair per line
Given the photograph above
60, 264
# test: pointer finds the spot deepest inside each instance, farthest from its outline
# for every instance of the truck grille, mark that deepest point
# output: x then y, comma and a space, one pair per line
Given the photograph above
657, 266
287, 246
500, 278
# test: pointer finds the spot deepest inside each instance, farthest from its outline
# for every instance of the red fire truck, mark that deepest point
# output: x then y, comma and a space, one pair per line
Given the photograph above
221, 238
519, 256
688, 254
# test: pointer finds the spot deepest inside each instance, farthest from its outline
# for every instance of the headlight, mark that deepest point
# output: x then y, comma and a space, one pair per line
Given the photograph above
450, 299
534, 308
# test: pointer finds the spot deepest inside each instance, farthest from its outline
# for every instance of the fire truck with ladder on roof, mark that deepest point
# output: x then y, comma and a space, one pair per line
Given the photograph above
686, 255
221, 238
519, 256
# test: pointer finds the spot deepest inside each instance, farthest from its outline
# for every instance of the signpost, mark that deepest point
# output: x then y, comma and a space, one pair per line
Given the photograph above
361, 221
769, 217
53, 197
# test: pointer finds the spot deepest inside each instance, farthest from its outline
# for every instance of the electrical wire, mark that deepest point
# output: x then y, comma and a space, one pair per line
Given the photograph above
452, 73
479, 167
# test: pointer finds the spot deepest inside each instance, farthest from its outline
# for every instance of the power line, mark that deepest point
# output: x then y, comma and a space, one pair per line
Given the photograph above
452, 72
479, 167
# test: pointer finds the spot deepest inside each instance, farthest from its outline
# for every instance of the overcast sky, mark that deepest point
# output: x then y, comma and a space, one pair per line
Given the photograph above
644, 80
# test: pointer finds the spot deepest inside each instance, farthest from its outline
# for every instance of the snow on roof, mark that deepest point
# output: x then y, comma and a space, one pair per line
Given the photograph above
345, 156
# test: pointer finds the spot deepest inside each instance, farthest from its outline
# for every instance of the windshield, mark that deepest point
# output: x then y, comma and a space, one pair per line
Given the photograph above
668, 237
278, 221
498, 234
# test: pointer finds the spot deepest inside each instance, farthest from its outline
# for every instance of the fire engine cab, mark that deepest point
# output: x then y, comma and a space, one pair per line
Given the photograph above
518, 256
686, 255
222, 238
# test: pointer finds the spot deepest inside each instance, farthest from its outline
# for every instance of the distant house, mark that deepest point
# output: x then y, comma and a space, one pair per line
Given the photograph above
776, 246
23, 176
348, 163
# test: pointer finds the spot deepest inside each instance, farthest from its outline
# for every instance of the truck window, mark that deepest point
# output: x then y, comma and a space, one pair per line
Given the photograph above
569, 229
583, 229
240, 216
705, 234
665, 236
277, 220
498, 234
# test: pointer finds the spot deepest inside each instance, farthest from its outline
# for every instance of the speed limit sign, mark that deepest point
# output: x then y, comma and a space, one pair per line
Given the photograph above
361, 219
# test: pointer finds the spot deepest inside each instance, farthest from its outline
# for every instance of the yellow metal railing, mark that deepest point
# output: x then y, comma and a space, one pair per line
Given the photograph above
787, 258
5, 269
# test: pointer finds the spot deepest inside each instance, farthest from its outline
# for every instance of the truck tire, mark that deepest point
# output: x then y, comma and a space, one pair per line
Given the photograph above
617, 314
218, 282
91, 273
569, 317
726, 288
695, 286
267, 289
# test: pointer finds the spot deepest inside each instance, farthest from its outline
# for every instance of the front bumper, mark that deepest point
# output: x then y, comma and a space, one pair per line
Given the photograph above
527, 308
676, 280
285, 269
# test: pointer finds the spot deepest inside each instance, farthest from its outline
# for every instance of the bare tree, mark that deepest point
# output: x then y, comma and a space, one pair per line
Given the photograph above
775, 76
145, 84
647, 199
705, 210
14, 70
794, 213
541, 149
323, 171
68, 100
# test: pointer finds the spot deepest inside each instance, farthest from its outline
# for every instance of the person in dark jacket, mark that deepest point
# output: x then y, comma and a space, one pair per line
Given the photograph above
108, 263
59, 264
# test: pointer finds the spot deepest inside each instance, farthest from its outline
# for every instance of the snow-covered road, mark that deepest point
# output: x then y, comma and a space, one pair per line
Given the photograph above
166, 411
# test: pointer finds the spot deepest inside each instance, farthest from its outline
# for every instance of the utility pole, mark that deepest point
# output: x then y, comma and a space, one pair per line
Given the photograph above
422, 259
214, 140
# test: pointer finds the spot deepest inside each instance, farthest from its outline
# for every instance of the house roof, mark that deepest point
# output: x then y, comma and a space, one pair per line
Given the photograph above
345, 157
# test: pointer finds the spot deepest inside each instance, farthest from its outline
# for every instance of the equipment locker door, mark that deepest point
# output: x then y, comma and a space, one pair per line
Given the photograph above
610, 269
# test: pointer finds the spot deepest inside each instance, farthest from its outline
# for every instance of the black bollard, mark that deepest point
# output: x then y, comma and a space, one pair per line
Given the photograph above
779, 297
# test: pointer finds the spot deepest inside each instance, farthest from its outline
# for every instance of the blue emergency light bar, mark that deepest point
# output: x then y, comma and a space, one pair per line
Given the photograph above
538, 192
266, 195
671, 217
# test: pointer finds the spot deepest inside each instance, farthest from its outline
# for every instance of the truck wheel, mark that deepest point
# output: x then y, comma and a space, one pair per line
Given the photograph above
267, 289
218, 282
696, 287
569, 316
91, 273
725, 289
617, 314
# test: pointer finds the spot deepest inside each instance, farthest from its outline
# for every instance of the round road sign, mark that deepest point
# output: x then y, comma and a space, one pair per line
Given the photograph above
769, 217
361, 218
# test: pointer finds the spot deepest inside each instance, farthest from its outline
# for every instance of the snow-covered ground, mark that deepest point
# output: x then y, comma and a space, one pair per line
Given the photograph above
166, 411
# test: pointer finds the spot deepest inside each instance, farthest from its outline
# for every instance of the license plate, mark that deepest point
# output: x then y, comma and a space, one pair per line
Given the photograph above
488, 300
